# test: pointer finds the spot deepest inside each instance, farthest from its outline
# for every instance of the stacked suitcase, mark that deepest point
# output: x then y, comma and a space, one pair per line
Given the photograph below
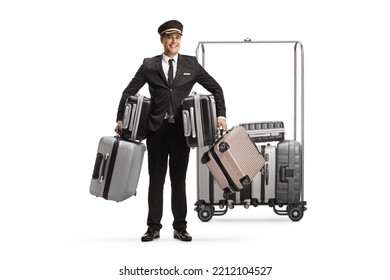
119, 158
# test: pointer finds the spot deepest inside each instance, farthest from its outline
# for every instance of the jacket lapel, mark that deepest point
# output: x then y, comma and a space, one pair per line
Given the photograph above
160, 70
179, 71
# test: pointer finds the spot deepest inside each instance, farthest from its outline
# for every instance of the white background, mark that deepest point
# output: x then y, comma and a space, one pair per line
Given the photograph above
63, 67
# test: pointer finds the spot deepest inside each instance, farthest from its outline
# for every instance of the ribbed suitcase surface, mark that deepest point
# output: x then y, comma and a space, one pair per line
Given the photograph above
234, 160
117, 168
265, 131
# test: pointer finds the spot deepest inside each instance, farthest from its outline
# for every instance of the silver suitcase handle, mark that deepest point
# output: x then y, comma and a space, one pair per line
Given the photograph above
192, 117
186, 123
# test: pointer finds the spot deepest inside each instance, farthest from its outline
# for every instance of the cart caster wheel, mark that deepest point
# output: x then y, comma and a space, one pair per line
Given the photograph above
225, 195
295, 213
205, 214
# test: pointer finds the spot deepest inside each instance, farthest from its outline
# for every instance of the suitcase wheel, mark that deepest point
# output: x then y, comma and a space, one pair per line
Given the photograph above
226, 194
245, 181
223, 147
295, 213
205, 158
205, 213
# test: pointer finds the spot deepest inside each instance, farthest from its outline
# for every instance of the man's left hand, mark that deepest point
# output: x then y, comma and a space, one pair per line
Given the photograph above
221, 123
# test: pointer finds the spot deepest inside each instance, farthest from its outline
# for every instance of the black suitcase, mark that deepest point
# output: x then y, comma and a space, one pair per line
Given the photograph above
136, 118
199, 120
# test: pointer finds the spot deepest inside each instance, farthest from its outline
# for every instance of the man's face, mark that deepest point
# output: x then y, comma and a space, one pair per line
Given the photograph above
171, 43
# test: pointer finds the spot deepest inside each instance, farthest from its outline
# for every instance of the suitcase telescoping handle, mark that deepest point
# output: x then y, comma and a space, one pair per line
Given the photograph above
186, 123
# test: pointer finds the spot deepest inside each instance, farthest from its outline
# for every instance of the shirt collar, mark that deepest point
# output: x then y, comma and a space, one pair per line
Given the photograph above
167, 58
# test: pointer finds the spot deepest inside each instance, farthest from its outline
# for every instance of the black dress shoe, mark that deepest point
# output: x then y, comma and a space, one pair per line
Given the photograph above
150, 235
182, 235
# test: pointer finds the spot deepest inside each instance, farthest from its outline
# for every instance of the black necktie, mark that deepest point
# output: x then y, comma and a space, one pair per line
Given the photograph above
170, 73
171, 119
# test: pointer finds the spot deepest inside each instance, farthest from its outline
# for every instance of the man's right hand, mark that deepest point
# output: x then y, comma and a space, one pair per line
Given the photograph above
118, 127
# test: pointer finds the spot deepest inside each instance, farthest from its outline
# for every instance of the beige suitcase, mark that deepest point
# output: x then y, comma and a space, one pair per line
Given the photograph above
234, 160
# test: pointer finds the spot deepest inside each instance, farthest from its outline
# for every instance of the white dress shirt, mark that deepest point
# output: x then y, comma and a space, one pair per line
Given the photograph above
165, 64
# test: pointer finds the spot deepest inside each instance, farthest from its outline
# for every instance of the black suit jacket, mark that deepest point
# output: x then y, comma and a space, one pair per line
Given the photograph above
188, 72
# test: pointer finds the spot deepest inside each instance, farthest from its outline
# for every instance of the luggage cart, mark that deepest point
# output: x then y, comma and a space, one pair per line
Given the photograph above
209, 194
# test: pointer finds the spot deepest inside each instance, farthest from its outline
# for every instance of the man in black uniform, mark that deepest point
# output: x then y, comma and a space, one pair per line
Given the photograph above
170, 77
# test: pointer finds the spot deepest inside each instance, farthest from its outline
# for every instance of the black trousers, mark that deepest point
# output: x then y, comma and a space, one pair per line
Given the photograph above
167, 146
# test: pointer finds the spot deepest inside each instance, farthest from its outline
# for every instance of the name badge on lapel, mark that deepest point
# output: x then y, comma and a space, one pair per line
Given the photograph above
186, 74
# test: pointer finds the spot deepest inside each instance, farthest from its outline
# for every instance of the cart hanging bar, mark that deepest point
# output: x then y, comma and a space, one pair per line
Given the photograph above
201, 46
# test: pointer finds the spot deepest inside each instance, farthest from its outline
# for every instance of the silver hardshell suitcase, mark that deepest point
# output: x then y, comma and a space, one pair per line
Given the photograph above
117, 168
263, 185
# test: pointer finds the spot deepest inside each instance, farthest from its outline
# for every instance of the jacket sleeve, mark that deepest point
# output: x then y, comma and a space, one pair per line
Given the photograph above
132, 89
212, 86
